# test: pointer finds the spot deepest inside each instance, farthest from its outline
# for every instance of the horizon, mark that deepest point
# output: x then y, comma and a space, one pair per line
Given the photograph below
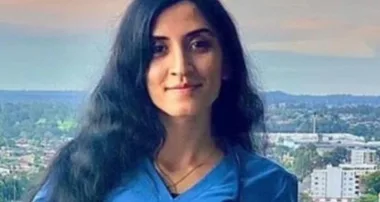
265, 92
309, 47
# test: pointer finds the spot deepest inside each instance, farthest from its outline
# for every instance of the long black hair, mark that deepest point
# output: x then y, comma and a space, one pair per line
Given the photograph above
121, 126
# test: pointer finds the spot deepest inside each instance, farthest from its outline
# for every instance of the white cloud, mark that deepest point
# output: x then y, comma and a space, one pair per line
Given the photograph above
344, 47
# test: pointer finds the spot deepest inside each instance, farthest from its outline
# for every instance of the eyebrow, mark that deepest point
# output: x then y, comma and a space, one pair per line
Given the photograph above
191, 34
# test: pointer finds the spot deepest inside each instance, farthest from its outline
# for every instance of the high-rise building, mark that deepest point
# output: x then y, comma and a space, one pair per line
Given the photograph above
363, 156
339, 183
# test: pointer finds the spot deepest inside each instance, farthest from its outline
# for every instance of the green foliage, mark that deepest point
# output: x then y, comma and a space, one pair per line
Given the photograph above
36, 119
372, 183
305, 198
12, 187
360, 120
368, 198
306, 159
279, 153
40, 124
66, 125
337, 156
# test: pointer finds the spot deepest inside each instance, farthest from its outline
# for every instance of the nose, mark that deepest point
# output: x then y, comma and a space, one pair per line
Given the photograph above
181, 63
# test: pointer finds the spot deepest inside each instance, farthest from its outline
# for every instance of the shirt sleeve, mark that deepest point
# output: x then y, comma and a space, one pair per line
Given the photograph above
288, 191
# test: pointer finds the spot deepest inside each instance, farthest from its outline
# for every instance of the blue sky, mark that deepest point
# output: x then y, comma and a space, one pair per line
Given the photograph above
300, 47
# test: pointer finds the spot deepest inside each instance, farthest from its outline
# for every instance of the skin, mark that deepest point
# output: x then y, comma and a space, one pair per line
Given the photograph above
183, 80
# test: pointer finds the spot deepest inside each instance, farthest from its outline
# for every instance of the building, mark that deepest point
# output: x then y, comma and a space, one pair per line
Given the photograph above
336, 139
341, 138
363, 156
339, 183
280, 138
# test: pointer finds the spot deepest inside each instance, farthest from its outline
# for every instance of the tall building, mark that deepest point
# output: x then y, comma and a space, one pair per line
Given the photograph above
363, 156
338, 183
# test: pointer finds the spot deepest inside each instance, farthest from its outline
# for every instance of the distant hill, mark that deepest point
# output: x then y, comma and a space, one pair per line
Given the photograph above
74, 97
275, 97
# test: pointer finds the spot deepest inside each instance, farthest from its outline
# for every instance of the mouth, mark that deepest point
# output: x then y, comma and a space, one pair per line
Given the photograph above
184, 87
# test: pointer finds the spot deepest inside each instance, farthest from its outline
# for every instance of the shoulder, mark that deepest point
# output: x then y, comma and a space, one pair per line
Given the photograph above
269, 180
254, 165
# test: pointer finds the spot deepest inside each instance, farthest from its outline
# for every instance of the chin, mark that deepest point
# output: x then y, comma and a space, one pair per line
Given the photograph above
184, 111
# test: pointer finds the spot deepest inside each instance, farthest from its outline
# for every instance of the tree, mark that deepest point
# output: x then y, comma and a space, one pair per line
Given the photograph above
281, 150
306, 160
360, 130
371, 183
337, 156
377, 155
305, 198
368, 198
12, 187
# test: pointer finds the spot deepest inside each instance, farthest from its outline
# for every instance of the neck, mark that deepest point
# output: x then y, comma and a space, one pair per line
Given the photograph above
188, 142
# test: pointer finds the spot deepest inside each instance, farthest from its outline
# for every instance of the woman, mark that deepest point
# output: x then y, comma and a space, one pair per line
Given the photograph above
171, 117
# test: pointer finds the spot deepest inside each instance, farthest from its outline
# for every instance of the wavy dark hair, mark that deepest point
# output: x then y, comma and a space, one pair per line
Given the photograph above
121, 126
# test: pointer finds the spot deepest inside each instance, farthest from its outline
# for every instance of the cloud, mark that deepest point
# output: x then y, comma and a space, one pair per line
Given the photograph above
311, 27
369, 32
308, 24
339, 47
63, 15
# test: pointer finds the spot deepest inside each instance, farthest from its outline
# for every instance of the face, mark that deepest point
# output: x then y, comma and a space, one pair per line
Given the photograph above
184, 76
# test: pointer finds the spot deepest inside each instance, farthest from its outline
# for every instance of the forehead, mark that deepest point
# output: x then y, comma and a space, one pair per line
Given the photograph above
179, 18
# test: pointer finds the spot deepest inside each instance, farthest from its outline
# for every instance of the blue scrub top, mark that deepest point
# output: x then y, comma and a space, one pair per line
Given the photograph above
240, 176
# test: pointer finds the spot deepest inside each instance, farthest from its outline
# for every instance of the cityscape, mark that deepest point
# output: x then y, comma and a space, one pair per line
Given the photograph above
333, 148
341, 182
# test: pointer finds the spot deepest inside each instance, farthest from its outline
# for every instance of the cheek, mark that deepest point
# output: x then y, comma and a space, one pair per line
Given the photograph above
214, 85
154, 79
210, 68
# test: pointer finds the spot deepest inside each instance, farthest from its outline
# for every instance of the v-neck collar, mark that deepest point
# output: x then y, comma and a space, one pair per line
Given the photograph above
211, 178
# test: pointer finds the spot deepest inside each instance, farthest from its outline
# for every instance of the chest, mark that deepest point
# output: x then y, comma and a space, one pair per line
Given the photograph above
218, 185
225, 195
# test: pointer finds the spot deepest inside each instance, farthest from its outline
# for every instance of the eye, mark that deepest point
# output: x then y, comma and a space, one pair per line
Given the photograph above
159, 49
200, 45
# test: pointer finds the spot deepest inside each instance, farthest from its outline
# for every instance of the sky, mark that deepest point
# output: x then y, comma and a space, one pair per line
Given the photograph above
297, 46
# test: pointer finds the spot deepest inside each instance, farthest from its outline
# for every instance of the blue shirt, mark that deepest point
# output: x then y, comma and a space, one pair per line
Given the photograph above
240, 176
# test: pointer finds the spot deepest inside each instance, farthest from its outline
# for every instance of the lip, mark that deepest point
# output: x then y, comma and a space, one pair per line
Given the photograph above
184, 87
